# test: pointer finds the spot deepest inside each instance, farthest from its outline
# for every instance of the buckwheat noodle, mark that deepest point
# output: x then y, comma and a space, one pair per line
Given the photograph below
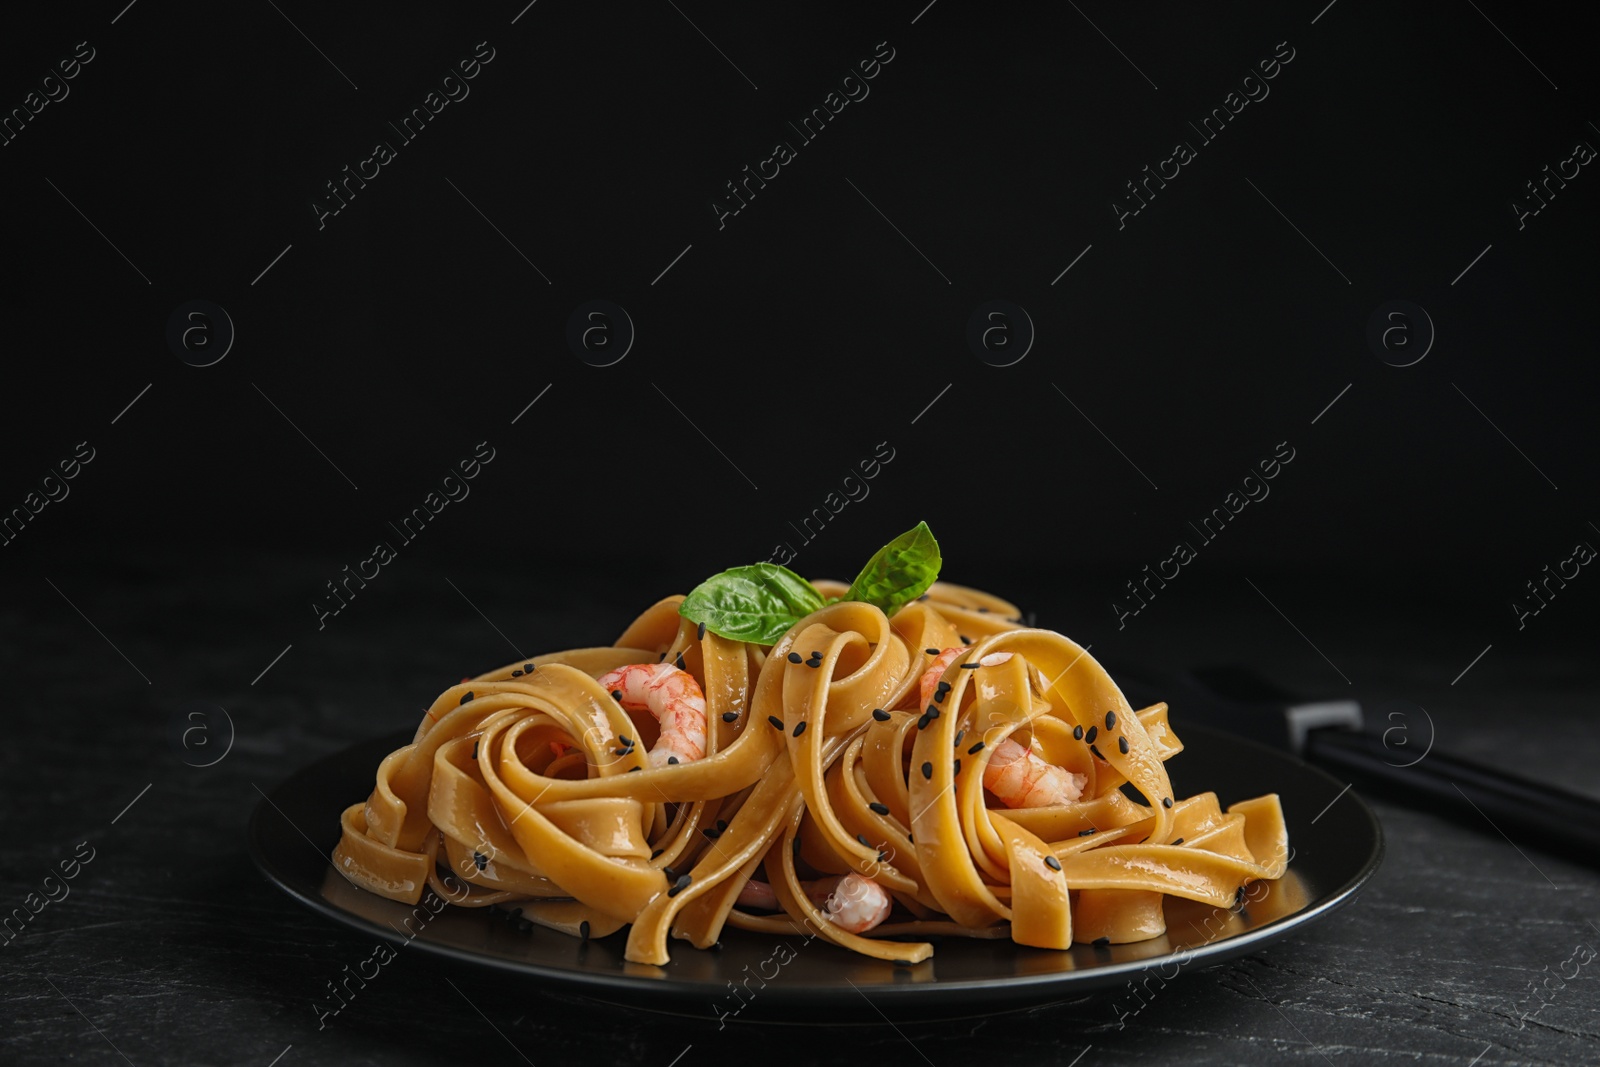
533, 786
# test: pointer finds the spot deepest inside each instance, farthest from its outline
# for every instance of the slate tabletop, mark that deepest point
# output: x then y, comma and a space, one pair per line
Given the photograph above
169, 947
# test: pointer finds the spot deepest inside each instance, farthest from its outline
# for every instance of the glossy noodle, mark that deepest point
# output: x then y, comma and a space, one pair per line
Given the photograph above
834, 789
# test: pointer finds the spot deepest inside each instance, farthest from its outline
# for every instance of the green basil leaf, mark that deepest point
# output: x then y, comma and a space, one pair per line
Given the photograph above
758, 603
900, 572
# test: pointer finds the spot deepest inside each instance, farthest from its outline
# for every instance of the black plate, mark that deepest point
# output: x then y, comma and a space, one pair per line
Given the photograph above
1335, 840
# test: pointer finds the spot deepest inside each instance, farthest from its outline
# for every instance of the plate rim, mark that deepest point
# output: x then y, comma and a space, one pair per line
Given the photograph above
666, 988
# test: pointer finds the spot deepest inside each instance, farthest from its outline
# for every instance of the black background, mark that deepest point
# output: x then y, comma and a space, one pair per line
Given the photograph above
791, 341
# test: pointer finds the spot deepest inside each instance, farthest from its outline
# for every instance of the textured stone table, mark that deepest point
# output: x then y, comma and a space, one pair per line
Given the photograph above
171, 948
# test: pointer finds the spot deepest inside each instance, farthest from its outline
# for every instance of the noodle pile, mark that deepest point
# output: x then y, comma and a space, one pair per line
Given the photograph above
532, 784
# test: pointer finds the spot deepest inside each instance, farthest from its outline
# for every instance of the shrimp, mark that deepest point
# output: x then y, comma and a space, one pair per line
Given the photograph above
852, 902
1016, 775
1022, 780
674, 698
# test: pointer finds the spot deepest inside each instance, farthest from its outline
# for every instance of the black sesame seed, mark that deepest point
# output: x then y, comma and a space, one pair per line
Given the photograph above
701, 632
938, 697
958, 766
1166, 802
616, 694
927, 771
516, 674
943, 685
970, 666
583, 930
1077, 733
712, 832
672, 761
680, 885
813, 663
625, 740
679, 661
975, 749
657, 852
1086, 833
795, 657
911, 839
863, 839
661, 657
959, 735
1238, 896
466, 698
1179, 841
1096, 752
527, 668
922, 722
632, 769
880, 715
881, 809
1122, 744
933, 712
1094, 732
669, 873
1053, 863
799, 728
722, 824
777, 723
480, 860
965, 640
882, 855
1101, 942
730, 716
931, 651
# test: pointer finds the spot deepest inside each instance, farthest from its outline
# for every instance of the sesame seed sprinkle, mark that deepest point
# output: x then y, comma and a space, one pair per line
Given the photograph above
1111, 720
931, 651
616, 694
1086, 833
927, 771
880, 715
881, 809
1122, 744
672, 761
657, 852
965, 640
1077, 733
795, 657
1166, 802
1179, 841
701, 632
679, 661
1094, 732
799, 728
466, 698
730, 716
863, 839
958, 766
1053, 863
777, 723
516, 674
680, 885
1096, 752
975, 749
480, 860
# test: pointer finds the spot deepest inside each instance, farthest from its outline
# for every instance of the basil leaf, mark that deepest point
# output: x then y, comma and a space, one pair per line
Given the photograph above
758, 603
900, 572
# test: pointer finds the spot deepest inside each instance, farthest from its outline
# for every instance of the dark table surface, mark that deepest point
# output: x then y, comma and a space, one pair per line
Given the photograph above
171, 948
